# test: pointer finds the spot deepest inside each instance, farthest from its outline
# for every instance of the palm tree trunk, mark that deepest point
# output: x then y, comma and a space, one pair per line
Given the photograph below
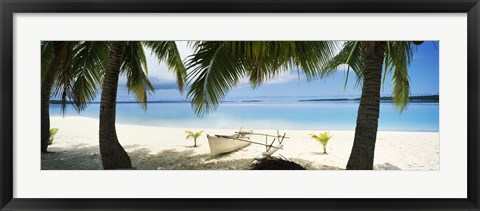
112, 153
361, 157
46, 89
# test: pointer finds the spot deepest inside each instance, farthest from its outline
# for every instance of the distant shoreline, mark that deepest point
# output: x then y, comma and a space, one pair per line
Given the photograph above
413, 99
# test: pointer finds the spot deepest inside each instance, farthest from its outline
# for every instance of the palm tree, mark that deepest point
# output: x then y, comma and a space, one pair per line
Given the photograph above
128, 58
366, 59
71, 71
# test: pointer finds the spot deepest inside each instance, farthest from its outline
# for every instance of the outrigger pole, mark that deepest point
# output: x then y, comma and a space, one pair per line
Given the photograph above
253, 142
260, 134
268, 147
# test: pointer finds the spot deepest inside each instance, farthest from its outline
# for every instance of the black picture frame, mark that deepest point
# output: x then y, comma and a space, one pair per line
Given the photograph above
9, 7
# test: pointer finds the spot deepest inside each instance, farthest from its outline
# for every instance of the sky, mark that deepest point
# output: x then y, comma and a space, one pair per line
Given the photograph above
423, 72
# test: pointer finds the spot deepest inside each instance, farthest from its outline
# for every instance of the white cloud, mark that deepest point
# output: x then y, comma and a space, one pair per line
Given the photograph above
285, 77
184, 49
158, 73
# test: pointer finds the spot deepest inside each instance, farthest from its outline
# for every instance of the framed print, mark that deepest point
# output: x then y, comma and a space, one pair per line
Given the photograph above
216, 105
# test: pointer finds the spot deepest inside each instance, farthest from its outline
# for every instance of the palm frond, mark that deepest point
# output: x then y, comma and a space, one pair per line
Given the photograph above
167, 51
268, 59
217, 66
134, 67
191, 134
214, 72
82, 70
53, 131
199, 133
89, 66
47, 54
62, 85
351, 56
398, 58
322, 138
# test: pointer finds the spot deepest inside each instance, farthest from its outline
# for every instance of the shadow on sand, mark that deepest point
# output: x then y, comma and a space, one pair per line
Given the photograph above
386, 166
84, 157
184, 160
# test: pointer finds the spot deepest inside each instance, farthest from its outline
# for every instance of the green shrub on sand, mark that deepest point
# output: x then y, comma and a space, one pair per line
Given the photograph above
323, 139
53, 131
193, 135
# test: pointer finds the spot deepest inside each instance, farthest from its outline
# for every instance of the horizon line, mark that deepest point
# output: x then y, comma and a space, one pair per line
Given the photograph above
252, 100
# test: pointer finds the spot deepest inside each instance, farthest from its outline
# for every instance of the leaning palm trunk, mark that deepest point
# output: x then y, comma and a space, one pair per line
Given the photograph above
361, 157
46, 89
112, 153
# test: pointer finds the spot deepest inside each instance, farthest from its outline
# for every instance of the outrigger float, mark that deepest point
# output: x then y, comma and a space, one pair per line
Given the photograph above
220, 144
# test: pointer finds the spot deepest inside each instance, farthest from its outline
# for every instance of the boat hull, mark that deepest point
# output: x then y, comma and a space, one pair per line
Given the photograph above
224, 145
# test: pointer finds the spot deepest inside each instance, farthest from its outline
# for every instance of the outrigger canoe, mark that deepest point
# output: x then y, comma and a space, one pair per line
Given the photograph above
222, 144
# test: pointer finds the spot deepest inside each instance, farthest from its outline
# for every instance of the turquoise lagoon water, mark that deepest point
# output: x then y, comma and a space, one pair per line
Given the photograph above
269, 114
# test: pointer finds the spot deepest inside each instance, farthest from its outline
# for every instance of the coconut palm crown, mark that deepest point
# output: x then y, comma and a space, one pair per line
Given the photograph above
397, 58
71, 71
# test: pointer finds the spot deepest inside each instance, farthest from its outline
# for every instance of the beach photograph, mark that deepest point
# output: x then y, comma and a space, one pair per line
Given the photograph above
240, 105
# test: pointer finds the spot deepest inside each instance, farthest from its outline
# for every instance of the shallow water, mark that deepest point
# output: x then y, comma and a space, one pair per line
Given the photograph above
279, 114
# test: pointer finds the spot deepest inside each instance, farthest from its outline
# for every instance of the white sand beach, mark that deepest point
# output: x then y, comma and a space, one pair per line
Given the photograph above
165, 148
